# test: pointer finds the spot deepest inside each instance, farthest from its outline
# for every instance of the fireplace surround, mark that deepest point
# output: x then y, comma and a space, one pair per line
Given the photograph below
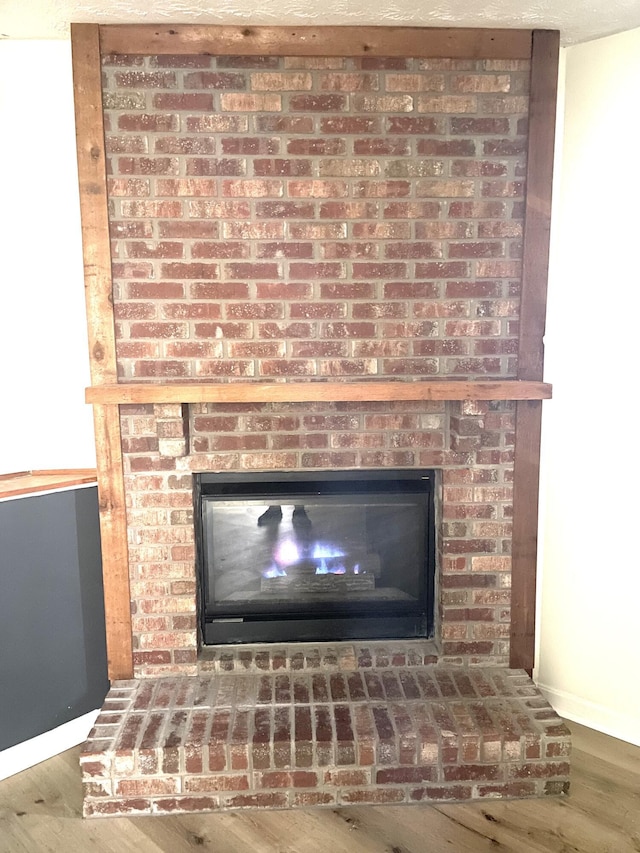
326, 254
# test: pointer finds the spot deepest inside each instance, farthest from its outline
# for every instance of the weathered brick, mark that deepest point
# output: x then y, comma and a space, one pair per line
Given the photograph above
217, 124
182, 101
214, 80
271, 81
375, 243
147, 80
250, 103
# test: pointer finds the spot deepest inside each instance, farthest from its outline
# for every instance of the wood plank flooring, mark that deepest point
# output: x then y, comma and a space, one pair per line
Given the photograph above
40, 811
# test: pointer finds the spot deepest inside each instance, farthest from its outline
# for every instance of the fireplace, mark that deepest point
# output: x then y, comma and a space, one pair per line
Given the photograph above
290, 556
317, 282
317, 250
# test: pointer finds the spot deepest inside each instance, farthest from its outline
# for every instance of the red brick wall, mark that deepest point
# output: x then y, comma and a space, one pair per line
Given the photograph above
290, 218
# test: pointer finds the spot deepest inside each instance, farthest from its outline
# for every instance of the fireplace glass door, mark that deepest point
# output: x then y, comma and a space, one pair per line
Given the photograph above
315, 556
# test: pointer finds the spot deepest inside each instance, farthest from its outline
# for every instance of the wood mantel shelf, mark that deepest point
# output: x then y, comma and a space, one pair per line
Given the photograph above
307, 392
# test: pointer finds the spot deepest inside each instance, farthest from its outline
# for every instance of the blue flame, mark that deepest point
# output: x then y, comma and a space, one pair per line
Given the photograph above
324, 551
327, 554
328, 557
274, 572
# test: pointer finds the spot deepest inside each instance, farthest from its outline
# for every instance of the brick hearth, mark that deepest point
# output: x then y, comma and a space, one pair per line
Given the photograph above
322, 725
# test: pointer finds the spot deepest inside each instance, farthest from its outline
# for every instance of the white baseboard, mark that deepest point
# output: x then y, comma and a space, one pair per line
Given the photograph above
622, 726
17, 758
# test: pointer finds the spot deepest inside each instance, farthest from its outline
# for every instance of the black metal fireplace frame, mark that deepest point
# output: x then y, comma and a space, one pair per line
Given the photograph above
368, 620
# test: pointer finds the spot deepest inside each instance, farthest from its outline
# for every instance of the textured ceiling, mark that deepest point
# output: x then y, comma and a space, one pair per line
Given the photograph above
577, 20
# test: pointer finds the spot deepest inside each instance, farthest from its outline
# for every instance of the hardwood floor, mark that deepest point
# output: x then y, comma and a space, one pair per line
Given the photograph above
40, 811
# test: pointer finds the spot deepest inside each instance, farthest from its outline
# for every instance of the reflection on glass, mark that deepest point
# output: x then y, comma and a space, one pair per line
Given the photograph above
326, 551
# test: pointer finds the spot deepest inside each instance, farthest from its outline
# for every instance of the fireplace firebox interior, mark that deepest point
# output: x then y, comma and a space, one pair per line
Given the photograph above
287, 556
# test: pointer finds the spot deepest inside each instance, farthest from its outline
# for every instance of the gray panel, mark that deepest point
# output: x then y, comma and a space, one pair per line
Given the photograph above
53, 665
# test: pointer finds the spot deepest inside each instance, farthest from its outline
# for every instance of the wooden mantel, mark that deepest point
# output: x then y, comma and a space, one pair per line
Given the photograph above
89, 43
308, 392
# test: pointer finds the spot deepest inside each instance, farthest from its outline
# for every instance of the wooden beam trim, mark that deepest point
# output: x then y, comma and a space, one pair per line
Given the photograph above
94, 209
113, 533
537, 218
432, 42
525, 534
299, 392
87, 75
542, 118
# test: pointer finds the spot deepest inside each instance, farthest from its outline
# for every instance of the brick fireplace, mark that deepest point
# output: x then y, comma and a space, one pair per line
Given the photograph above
473, 542
342, 221
285, 217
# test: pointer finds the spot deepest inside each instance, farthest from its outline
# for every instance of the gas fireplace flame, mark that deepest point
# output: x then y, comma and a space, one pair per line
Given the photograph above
329, 559
326, 551
287, 553
327, 555
274, 572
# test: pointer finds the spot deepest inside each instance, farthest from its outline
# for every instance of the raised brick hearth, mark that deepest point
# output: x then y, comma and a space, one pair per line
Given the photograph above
322, 725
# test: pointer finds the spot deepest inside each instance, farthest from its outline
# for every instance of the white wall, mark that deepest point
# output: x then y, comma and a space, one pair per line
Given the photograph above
590, 590
44, 422
44, 366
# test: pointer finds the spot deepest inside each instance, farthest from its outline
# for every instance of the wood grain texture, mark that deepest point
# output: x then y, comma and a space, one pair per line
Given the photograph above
537, 224
302, 392
41, 810
525, 534
416, 42
102, 350
542, 118
113, 533
92, 178
32, 482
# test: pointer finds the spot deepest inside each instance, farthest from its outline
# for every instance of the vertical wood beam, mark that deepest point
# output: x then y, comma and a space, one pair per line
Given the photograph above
542, 119
87, 77
113, 534
87, 81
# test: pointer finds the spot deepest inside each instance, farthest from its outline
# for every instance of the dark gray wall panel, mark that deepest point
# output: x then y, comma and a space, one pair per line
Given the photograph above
53, 664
